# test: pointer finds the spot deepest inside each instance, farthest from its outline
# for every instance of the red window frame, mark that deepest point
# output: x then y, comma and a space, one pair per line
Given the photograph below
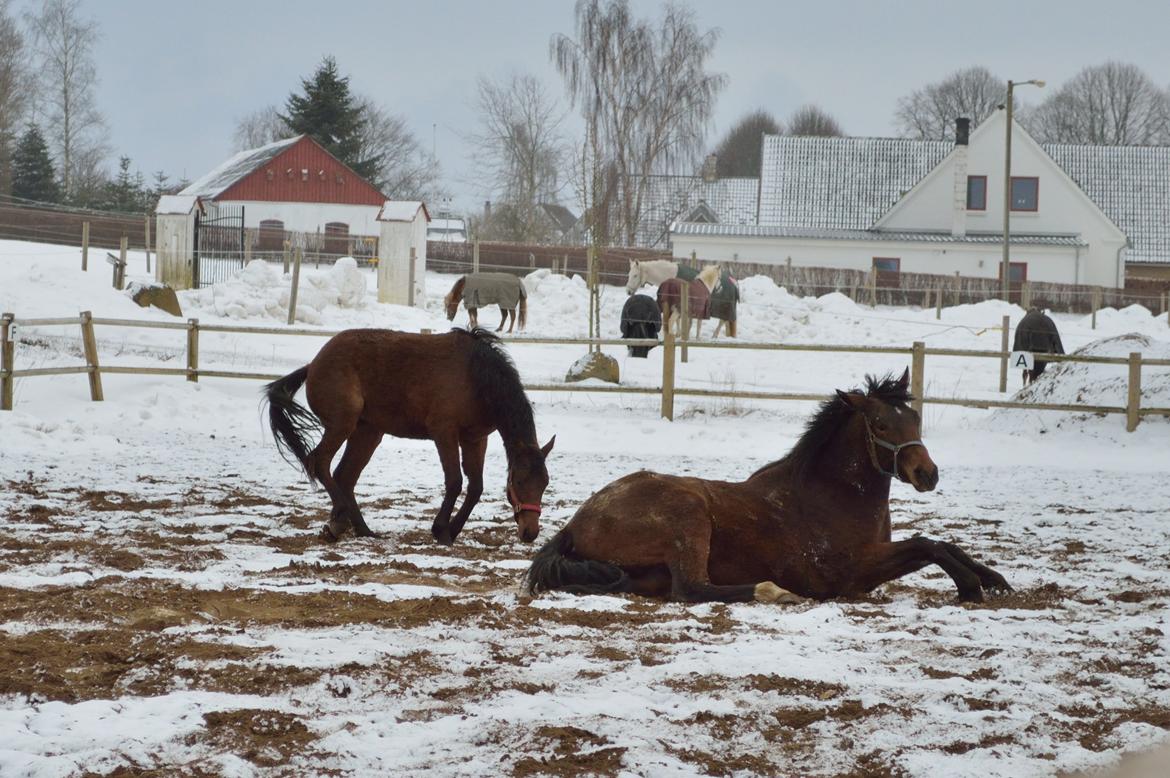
1036, 205
982, 206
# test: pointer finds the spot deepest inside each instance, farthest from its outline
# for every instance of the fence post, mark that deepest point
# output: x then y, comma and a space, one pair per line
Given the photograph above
475, 256
1005, 327
247, 247
89, 342
7, 359
1134, 399
285, 256
531, 261
565, 265
668, 375
958, 288
410, 288
296, 280
148, 243
872, 287
917, 374
1095, 303
193, 350
120, 271
684, 319
1133, 403
1026, 295
788, 275
938, 303
85, 245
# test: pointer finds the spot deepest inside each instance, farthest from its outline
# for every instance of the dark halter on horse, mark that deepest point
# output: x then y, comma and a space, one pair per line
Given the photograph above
872, 440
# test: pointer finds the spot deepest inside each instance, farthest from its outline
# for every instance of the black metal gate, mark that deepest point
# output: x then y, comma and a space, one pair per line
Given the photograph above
219, 243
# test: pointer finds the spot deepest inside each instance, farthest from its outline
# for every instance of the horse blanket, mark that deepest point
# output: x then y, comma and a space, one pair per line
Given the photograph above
502, 289
725, 298
686, 272
641, 319
1037, 333
670, 292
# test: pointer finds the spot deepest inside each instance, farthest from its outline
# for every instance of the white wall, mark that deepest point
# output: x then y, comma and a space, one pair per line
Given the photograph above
394, 245
1063, 207
1045, 263
174, 243
310, 217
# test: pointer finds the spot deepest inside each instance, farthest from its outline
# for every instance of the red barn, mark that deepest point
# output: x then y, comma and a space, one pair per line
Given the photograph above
294, 190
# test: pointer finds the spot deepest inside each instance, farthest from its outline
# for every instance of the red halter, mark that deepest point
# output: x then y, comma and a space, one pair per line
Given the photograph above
518, 506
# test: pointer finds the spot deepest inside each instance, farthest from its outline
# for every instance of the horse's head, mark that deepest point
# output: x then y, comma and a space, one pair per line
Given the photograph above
634, 280
451, 301
527, 480
893, 431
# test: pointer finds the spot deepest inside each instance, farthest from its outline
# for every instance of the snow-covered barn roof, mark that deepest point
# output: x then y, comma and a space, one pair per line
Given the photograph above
667, 198
215, 182
402, 210
1131, 185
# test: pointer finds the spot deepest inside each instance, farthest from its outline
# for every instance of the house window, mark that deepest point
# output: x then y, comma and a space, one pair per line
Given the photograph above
886, 270
976, 193
336, 238
1025, 193
271, 237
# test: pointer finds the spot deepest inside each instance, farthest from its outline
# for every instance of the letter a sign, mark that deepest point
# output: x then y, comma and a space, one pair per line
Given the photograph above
1023, 360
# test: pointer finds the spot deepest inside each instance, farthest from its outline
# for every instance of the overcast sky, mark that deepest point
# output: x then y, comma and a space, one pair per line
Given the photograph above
175, 76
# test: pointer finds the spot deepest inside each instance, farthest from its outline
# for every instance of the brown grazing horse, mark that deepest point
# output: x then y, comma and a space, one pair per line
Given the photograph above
479, 290
454, 389
814, 524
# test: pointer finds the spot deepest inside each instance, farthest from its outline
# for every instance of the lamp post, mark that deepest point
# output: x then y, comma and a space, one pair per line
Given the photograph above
1007, 186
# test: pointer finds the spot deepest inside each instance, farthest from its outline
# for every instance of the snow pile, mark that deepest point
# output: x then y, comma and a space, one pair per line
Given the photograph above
260, 291
1132, 318
1091, 384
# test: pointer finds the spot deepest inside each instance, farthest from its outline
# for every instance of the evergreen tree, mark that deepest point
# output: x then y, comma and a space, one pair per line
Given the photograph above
32, 169
329, 114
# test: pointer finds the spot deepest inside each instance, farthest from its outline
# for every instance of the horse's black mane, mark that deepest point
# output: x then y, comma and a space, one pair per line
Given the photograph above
497, 382
831, 415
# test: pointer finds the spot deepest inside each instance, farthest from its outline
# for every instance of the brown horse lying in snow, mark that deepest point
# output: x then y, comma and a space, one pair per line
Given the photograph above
814, 524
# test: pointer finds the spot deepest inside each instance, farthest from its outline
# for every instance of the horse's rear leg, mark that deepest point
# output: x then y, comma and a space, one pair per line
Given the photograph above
320, 459
690, 580
886, 562
358, 450
503, 318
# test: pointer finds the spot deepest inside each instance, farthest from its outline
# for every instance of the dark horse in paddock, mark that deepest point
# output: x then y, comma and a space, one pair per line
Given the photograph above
641, 320
1037, 333
814, 524
454, 389
479, 290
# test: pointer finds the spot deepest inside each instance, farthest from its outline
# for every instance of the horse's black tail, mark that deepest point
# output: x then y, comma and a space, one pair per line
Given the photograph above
553, 568
292, 423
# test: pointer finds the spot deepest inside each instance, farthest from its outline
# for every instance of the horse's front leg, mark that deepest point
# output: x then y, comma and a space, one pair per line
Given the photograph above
448, 446
474, 453
885, 562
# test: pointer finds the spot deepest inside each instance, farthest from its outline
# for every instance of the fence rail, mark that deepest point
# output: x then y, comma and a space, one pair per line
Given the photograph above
667, 390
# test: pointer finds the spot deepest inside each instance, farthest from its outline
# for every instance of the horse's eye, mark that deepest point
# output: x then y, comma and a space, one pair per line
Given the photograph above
879, 425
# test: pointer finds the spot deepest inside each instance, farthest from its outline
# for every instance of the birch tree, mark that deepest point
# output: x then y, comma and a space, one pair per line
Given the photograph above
647, 99
13, 90
64, 43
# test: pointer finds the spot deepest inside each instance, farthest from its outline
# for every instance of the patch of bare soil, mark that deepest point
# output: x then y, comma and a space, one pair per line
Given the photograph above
264, 737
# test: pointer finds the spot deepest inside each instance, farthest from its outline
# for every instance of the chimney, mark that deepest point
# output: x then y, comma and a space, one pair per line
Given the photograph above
959, 200
710, 166
487, 210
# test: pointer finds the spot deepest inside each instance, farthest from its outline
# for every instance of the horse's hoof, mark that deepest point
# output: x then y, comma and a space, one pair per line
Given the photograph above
771, 593
366, 533
327, 534
972, 596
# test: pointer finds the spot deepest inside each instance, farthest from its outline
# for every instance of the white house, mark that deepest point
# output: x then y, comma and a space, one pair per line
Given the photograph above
1080, 214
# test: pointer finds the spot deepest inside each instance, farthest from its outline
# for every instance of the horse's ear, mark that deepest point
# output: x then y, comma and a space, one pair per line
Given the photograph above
852, 399
547, 448
904, 381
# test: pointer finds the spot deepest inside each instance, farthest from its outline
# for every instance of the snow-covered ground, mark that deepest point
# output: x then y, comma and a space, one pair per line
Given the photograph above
165, 604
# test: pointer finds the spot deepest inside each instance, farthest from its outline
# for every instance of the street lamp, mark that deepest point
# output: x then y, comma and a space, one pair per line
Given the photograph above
1007, 185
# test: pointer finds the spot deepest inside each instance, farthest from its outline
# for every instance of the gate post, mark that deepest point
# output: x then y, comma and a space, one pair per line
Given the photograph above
917, 374
7, 359
1133, 402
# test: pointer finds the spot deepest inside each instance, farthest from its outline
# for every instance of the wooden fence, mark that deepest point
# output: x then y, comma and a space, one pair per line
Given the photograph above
672, 350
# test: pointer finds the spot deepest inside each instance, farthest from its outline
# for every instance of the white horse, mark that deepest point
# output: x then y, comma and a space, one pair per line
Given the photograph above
651, 271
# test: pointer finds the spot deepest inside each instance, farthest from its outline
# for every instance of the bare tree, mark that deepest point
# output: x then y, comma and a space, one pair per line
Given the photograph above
404, 169
1113, 104
646, 97
519, 153
738, 154
13, 91
259, 128
813, 120
64, 46
929, 113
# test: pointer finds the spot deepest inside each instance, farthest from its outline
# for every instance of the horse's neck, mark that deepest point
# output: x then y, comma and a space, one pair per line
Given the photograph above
843, 475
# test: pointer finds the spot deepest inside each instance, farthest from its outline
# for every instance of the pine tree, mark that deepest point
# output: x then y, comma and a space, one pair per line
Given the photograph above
32, 169
328, 113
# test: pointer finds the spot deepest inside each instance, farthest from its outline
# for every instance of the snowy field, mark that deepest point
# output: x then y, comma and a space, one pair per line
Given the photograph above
165, 604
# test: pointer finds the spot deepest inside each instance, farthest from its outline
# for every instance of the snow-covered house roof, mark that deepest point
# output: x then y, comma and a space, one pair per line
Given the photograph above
669, 198
901, 236
176, 204
1131, 185
561, 216
215, 182
402, 210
